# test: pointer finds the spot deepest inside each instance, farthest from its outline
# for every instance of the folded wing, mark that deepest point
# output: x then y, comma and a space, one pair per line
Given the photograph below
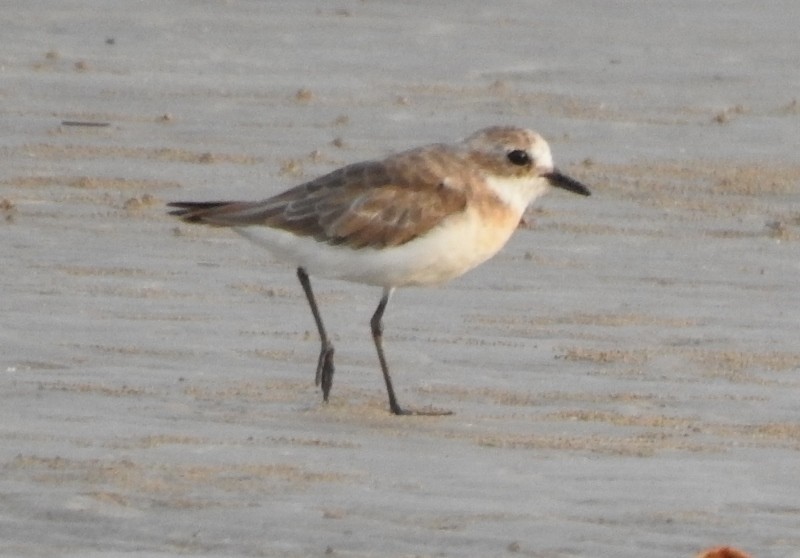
372, 204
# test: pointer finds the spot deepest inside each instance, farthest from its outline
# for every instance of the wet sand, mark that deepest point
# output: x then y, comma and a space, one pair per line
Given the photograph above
624, 375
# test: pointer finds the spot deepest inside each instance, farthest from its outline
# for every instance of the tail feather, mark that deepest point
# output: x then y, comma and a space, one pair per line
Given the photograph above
195, 212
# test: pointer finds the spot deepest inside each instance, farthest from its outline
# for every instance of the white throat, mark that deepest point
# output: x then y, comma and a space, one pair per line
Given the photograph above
518, 193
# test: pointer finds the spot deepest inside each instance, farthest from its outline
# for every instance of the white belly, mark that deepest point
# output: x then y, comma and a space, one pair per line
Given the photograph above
460, 244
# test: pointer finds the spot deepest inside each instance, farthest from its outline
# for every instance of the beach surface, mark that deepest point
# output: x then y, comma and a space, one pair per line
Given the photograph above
624, 375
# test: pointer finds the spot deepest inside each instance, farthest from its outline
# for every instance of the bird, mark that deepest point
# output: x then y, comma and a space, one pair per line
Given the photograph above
414, 218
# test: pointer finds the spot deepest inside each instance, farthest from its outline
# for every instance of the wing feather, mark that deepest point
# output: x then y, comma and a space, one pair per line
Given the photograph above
373, 204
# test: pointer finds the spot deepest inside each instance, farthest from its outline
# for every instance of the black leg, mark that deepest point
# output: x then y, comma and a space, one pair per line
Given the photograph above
377, 336
325, 364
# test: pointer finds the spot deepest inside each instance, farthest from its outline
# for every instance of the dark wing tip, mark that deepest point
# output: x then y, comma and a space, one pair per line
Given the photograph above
195, 212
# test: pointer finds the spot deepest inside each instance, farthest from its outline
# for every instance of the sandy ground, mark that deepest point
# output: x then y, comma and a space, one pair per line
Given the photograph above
624, 376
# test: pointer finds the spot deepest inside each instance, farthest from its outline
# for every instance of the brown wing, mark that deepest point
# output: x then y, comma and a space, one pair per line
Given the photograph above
372, 204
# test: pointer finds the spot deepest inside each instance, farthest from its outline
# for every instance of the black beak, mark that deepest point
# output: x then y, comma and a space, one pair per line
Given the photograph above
555, 178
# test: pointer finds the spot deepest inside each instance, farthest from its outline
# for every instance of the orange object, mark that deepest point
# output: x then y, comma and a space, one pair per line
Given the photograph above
723, 552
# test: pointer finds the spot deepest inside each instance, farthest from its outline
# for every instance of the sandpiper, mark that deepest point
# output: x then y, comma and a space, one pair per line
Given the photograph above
419, 217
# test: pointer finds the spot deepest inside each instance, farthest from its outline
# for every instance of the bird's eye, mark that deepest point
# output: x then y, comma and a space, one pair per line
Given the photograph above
519, 157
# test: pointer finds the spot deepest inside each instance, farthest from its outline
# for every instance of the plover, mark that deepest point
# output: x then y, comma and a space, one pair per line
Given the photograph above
419, 217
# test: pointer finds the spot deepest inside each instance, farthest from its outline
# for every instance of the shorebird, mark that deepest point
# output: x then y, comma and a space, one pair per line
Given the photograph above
419, 217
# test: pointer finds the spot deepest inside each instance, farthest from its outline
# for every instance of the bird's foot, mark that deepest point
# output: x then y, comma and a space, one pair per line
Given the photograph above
426, 412
325, 371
